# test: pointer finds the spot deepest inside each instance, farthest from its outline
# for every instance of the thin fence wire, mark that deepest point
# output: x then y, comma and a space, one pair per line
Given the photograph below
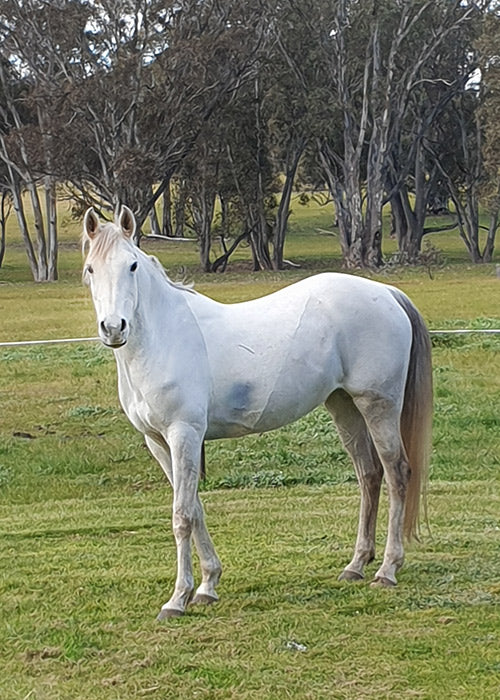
60, 341
55, 341
465, 331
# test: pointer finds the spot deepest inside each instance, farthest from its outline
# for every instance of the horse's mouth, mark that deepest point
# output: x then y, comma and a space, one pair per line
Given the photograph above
115, 345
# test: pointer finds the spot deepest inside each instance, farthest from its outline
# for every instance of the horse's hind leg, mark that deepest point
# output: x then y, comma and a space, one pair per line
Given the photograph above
382, 416
209, 561
211, 568
356, 439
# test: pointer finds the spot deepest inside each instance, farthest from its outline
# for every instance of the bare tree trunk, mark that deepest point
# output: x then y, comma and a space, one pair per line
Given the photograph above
469, 228
372, 234
153, 220
166, 219
490, 239
347, 198
18, 204
42, 266
204, 217
205, 245
180, 214
410, 221
224, 216
220, 264
4, 215
283, 212
51, 209
258, 237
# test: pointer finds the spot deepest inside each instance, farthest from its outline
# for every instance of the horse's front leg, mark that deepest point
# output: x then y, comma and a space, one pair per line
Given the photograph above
211, 568
185, 449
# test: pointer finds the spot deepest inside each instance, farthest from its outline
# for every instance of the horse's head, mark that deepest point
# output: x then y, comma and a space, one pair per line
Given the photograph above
110, 272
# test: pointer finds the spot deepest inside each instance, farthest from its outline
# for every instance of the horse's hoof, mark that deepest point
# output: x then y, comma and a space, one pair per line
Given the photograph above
168, 613
383, 582
348, 575
204, 599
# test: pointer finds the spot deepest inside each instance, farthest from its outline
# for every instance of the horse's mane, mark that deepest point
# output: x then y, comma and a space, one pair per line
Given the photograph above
102, 245
184, 286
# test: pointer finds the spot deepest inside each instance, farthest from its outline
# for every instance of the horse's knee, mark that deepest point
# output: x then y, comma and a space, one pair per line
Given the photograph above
182, 524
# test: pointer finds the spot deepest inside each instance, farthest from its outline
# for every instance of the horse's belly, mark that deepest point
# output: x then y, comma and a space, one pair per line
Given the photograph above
253, 405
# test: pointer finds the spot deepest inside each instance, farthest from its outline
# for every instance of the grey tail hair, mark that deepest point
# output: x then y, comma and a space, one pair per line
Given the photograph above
416, 417
203, 463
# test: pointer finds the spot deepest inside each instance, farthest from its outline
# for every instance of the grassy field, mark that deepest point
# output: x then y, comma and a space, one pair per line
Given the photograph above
86, 552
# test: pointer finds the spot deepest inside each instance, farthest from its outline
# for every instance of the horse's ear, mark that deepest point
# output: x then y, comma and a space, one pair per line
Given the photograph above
126, 221
90, 223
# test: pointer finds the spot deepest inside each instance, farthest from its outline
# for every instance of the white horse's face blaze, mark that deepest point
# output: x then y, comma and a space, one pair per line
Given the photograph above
114, 293
112, 279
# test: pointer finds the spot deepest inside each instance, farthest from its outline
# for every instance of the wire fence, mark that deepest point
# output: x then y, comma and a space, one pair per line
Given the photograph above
60, 341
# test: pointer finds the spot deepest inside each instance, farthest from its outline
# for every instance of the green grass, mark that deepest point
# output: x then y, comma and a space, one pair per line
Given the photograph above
86, 551
83, 579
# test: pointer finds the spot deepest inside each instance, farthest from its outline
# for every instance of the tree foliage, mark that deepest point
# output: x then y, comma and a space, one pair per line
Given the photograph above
218, 109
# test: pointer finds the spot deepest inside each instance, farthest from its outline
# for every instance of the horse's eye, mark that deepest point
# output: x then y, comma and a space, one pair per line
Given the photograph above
90, 269
133, 267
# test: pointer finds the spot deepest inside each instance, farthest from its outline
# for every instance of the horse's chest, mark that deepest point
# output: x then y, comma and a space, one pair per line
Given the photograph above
135, 408
140, 411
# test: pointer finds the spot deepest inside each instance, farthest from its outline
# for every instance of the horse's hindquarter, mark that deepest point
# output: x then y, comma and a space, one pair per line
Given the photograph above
274, 359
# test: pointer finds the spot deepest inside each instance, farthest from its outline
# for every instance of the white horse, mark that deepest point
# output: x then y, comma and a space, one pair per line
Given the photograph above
192, 369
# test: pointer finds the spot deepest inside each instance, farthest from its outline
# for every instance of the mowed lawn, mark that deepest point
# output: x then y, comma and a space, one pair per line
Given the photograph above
87, 556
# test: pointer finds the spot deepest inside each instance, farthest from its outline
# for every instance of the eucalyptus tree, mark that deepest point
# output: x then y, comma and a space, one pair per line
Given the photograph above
155, 73
34, 48
211, 49
425, 137
248, 179
136, 82
489, 52
199, 181
232, 163
287, 71
375, 58
462, 142
5, 208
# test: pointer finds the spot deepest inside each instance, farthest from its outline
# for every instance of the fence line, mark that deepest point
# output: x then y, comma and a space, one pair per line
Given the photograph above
56, 341
59, 341
464, 331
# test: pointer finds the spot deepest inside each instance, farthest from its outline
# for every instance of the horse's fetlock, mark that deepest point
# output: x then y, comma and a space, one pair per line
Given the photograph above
368, 554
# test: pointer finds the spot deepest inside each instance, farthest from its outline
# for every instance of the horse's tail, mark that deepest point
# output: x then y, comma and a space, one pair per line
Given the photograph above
416, 416
203, 463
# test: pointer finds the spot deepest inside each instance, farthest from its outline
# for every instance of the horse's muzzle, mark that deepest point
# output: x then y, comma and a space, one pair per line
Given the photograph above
114, 332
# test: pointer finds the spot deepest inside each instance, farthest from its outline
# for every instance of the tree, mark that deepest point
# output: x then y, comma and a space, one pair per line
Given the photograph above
5, 207
19, 151
200, 173
140, 110
288, 102
37, 41
415, 181
375, 59
490, 86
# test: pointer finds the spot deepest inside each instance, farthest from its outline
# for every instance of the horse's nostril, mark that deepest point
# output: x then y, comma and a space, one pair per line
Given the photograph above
112, 327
